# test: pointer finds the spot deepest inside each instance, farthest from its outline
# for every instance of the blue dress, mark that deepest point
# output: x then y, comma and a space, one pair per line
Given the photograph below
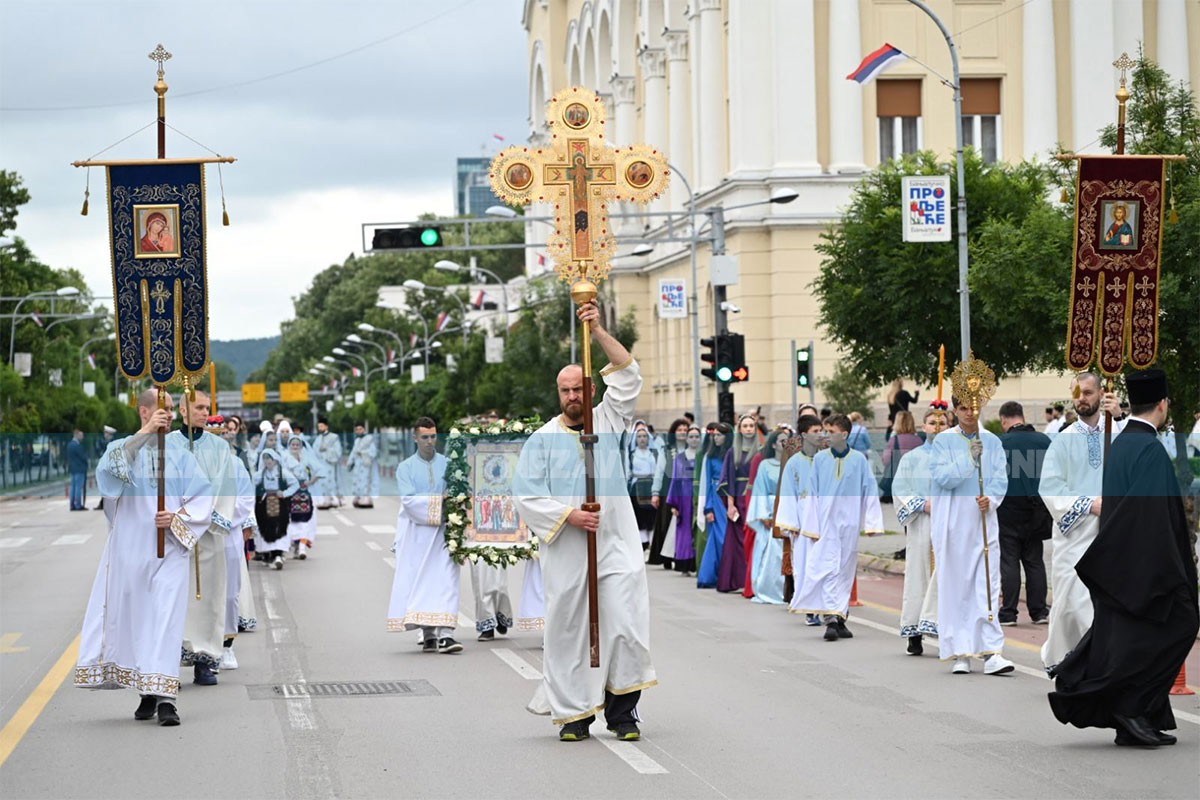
706, 575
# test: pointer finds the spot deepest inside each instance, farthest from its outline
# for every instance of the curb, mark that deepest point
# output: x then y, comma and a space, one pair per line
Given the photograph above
872, 562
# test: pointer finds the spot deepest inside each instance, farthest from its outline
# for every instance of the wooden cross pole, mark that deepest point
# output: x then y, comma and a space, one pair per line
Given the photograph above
160, 55
580, 174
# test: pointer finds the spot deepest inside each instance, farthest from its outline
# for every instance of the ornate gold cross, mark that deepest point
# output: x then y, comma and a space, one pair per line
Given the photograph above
160, 55
581, 175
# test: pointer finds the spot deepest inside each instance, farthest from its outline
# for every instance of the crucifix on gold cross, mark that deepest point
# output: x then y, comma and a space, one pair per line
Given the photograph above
160, 55
160, 296
581, 175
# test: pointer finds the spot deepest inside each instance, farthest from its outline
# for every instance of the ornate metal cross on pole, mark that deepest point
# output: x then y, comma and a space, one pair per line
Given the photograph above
581, 175
974, 384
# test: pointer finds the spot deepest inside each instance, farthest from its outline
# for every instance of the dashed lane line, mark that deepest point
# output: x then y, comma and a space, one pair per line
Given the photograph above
386, 530
520, 665
373, 545
72, 538
15, 542
634, 757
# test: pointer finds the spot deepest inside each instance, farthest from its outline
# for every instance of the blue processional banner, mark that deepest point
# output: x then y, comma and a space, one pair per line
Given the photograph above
160, 291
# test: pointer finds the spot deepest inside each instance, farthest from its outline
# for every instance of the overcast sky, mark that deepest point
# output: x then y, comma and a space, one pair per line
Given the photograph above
366, 137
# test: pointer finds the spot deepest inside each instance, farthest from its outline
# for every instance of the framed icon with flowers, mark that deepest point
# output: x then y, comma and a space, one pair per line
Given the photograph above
482, 521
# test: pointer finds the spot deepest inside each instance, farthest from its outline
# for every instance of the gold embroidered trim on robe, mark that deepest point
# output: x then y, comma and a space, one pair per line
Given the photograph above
558, 526
113, 676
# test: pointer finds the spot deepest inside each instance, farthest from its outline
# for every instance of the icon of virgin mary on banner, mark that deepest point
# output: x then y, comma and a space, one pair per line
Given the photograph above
1115, 279
156, 230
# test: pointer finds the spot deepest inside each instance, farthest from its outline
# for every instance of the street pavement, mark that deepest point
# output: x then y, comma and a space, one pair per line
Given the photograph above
751, 704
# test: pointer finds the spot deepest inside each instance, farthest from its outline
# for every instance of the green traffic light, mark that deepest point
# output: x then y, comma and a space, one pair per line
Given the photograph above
430, 237
724, 374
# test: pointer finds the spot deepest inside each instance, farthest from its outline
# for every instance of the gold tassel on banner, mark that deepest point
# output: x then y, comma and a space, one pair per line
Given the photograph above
87, 191
1173, 217
1064, 198
224, 213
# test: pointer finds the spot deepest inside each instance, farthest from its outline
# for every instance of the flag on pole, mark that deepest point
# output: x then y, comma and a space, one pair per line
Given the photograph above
443, 320
92, 360
37, 319
355, 371
391, 355
412, 340
541, 260
479, 299
497, 137
883, 58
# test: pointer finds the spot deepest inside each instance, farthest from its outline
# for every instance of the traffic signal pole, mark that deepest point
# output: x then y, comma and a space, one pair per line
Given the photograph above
716, 216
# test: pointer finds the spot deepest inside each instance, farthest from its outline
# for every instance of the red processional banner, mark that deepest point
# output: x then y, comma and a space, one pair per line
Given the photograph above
1114, 282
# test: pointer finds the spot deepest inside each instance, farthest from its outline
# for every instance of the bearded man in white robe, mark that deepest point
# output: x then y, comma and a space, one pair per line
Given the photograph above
550, 493
135, 615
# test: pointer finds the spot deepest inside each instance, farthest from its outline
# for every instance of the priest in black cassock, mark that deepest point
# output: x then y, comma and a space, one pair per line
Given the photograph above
1141, 573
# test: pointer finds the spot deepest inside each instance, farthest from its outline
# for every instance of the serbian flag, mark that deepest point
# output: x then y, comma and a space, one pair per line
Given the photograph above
876, 62
497, 137
355, 371
443, 320
92, 360
541, 260
479, 299
391, 355
37, 319
412, 340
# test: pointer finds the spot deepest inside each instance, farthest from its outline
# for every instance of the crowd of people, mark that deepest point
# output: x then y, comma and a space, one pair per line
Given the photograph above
774, 515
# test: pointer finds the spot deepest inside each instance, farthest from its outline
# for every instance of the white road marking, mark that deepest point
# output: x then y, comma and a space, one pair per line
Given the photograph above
17, 542
519, 664
1036, 673
342, 518
390, 561
72, 538
327, 530
270, 593
298, 714
380, 529
631, 755
374, 545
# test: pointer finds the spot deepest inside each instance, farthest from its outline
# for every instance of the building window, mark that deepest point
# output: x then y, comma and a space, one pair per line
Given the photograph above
981, 117
898, 108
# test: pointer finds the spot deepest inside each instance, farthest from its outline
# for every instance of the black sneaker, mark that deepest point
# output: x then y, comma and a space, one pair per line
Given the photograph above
501, 629
168, 717
487, 636
842, 631
831, 632
448, 646
1008, 623
203, 675
146, 708
430, 646
915, 648
575, 731
626, 731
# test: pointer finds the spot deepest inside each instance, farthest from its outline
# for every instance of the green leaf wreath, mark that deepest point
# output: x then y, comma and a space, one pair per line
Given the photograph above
458, 493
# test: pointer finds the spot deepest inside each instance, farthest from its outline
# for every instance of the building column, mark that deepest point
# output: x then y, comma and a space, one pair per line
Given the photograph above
751, 80
623, 133
654, 105
1173, 39
845, 97
1128, 28
710, 63
795, 86
679, 100
1093, 79
1039, 93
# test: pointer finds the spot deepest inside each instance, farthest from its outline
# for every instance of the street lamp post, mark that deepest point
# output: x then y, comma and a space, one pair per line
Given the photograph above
83, 348
65, 291
332, 360
402, 349
357, 341
424, 326
453, 266
419, 286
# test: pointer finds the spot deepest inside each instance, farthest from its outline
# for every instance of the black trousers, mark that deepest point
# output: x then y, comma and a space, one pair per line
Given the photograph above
619, 708
1019, 550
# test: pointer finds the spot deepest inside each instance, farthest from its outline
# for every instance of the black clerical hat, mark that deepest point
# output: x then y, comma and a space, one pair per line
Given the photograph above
1147, 386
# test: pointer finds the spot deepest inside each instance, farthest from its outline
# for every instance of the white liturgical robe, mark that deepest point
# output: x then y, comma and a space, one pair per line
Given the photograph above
843, 502
964, 627
549, 485
1072, 477
135, 615
425, 586
789, 518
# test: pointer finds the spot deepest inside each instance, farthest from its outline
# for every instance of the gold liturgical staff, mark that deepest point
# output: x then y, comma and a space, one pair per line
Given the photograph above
580, 174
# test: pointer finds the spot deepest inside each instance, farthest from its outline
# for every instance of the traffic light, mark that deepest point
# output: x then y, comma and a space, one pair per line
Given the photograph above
725, 411
804, 367
738, 370
716, 353
409, 238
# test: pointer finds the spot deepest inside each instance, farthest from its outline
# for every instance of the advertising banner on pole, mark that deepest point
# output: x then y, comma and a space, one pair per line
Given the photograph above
672, 298
926, 212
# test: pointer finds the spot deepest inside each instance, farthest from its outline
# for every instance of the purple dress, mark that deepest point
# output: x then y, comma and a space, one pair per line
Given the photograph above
681, 496
735, 483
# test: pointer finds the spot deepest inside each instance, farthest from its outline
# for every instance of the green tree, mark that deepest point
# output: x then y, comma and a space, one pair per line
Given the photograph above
13, 195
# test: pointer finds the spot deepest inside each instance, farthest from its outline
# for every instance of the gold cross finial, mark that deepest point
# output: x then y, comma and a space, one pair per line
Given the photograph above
160, 55
1124, 64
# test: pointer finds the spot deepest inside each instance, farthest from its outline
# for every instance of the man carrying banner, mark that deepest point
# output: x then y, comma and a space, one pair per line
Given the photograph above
135, 615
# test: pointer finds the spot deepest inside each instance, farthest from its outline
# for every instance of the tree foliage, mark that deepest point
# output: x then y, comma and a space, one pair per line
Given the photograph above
889, 304
846, 390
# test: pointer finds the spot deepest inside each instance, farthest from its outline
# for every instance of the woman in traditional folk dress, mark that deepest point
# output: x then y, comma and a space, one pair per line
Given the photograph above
712, 516
675, 444
309, 470
734, 489
274, 486
681, 501
643, 464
